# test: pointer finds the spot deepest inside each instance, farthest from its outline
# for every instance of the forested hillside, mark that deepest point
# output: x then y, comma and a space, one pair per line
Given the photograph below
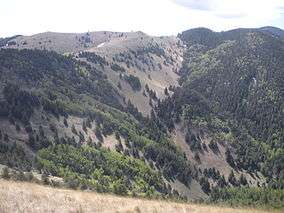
232, 94
199, 116
51, 103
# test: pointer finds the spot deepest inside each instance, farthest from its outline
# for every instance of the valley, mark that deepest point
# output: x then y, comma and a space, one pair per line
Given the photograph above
192, 117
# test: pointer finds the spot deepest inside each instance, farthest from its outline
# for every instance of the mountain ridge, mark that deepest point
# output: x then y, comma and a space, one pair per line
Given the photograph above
181, 108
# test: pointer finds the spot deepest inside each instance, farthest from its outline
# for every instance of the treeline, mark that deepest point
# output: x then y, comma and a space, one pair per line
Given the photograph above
239, 89
13, 154
147, 137
101, 170
19, 103
33, 78
94, 58
224, 94
133, 81
83, 91
245, 196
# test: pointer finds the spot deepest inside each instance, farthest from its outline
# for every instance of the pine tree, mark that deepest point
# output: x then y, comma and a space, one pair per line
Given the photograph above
98, 134
73, 129
84, 127
6, 137
232, 179
229, 158
243, 181
65, 122
5, 173
166, 91
205, 185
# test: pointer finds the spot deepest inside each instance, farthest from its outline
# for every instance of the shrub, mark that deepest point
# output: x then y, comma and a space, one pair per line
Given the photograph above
133, 81
5, 173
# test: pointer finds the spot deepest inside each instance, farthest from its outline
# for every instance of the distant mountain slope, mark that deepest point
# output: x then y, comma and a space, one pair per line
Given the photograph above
244, 76
211, 39
232, 95
155, 61
6, 41
65, 42
273, 31
129, 113
51, 104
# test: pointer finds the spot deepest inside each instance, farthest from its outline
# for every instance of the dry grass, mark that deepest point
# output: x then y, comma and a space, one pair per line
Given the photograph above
28, 197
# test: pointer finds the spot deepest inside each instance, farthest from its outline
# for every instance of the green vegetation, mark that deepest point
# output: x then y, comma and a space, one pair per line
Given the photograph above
117, 68
244, 196
249, 93
99, 169
70, 79
94, 58
7, 41
5, 173
14, 155
133, 81
229, 105
226, 92
19, 104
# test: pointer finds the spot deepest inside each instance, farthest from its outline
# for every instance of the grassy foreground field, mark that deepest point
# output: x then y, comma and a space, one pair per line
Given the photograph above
29, 197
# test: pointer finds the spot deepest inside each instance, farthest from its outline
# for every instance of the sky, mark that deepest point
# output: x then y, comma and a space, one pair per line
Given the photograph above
154, 17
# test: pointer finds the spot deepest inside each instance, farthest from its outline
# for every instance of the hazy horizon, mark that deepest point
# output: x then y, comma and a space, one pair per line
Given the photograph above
154, 17
133, 31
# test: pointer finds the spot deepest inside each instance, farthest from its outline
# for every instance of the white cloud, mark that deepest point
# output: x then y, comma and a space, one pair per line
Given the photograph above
236, 8
197, 4
156, 17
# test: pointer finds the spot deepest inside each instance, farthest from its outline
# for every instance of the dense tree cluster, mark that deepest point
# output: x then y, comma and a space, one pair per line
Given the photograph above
133, 81
94, 58
13, 154
59, 80
244, 196
224, 92
230, 92
19, 104
100, 169
117, 68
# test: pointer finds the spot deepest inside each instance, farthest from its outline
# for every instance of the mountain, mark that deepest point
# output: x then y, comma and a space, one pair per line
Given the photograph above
186, 117
232, 95
67, 106
240, 78
274, 31
209, 38
154, 60
6, 41
64, 42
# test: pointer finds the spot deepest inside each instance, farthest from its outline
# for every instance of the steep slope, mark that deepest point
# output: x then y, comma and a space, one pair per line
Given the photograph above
64, 42
55, 109
274, 31
6, 41
29, 103
153, 61
257, 84
184, 115
230, 104
211, 39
